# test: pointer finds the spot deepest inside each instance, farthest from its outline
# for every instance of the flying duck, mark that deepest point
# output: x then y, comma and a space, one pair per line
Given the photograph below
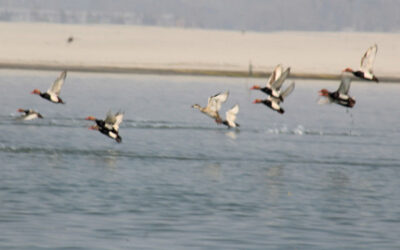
274, 102
365, 72
109, 126
213, 106
29, 114
53, 93
341, 95
275, 82
230, 116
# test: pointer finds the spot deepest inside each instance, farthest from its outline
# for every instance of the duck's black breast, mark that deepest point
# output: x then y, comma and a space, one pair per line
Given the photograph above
359, 74
267, 102
45, 96
100, 123
334, 95
266, 90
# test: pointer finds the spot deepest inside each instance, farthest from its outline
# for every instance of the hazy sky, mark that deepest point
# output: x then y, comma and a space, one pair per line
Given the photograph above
259, 15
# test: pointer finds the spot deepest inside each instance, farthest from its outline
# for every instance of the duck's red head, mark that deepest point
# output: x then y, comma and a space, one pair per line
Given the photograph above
90, 118
255, 87
36, 91
323, 92
257, 101
21, 110
348, 70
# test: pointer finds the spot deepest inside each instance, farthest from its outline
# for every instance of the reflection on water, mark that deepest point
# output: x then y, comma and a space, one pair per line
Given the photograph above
213, 171
274, 172
232, 134
110, 161
274, 181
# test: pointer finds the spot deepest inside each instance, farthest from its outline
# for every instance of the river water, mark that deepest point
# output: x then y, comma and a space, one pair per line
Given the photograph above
317, 177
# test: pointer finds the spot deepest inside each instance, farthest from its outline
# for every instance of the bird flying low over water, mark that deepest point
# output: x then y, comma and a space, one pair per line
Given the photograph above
367, 61
275, 82
230, 116
273, 102
29, 114
109, 126
341, 95
52, 94
213, 106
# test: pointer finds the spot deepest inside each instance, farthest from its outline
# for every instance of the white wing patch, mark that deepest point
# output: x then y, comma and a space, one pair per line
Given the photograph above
30, 117
288, 90
276, 73
113, 121
344, 86
118, 120
278, 83
58, 83
215, 102
367, 61
231, 116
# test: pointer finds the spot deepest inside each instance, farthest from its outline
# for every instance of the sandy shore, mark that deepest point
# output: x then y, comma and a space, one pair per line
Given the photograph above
135, 49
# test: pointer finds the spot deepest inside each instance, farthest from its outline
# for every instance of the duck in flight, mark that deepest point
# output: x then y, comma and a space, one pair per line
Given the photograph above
274, 82
213, 106
29, 114
273, 102
52, 94
109, 126
230, 116
367, 61
341, 95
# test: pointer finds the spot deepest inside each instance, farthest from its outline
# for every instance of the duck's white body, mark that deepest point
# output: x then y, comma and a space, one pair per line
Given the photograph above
29, 114
231, 117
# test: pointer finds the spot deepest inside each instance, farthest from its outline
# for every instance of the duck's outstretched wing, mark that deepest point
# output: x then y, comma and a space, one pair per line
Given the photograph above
231, 116
109, 120
58, 83
118, 120
113, 121
367, 61
278, 83
274, 75
344, 84
214, 102
288, 90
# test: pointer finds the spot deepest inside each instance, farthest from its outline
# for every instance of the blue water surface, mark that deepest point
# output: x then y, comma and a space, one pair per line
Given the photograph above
317, 177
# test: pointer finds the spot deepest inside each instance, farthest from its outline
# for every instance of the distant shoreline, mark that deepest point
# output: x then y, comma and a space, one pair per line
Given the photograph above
175, 71
173, 51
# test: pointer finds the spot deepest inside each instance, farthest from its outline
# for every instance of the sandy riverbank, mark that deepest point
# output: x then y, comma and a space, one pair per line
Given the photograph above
135, 49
